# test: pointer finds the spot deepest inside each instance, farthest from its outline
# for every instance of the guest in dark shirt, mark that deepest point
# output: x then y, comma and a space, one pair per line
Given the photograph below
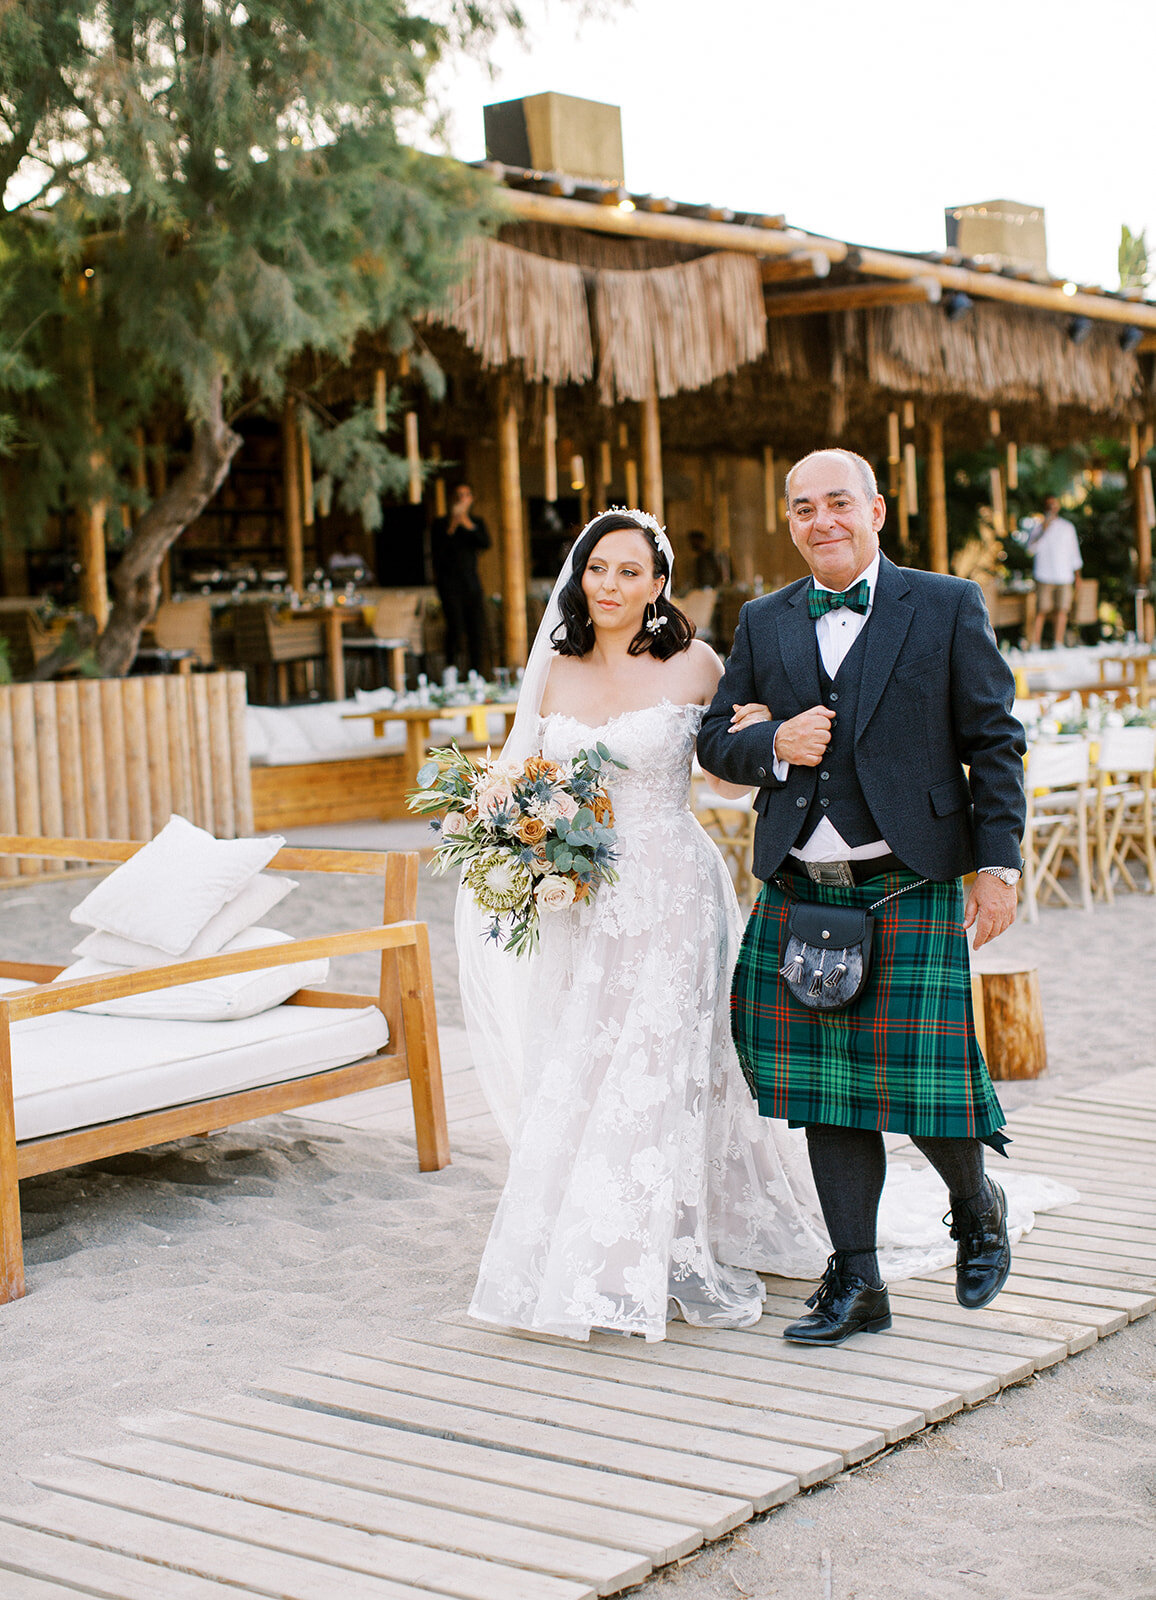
454, 544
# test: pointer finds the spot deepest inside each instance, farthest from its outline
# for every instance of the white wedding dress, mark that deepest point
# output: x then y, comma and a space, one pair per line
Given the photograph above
641, 1172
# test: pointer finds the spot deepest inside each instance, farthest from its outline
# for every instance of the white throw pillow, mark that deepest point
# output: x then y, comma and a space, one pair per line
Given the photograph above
254, 902
375, 699
241, 994
166, 893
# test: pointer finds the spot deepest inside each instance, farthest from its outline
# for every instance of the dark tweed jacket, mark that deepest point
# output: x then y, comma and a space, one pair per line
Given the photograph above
935, 697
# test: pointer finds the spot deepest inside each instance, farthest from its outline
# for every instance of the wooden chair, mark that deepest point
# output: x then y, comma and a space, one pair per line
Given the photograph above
395, 629
405, 996
1059, 796
1124, 823
265, 644
185, 625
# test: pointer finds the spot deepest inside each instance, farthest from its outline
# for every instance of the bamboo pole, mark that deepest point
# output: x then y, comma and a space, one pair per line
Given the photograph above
413, 458
904, 514
998, 503
112, 746
751, 240
605, 472
291, 479
9, 865
993, 423
1013, 465
909, 415
513, 538
853, 297
306, 473
439, 483
631, 470
893, 453
936, 498
652, 486
770, 497
911, 480
550, 446
380, 419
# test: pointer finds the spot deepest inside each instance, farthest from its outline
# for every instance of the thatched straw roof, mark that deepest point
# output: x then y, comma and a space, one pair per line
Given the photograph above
676, 328
513, 306
999, 355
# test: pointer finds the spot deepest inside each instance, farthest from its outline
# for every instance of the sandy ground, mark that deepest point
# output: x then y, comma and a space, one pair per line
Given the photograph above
174, 1275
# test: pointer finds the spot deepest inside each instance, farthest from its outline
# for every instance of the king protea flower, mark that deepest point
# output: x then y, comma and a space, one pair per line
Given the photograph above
499, 882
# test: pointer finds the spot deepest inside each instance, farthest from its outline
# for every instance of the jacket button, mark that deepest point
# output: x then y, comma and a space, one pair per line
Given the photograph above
824, 802
762, 772
833, 698
800, 802
824, 776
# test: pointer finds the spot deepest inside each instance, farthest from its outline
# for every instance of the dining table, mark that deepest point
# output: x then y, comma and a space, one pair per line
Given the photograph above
419, 718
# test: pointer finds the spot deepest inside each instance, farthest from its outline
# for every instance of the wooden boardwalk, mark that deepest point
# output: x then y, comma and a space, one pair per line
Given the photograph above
482, 1466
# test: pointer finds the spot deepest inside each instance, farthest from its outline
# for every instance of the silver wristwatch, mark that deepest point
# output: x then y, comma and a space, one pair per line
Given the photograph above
1008, 875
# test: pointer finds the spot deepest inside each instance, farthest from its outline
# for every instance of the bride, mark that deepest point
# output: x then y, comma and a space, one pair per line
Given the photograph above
639, 1163
642, 1178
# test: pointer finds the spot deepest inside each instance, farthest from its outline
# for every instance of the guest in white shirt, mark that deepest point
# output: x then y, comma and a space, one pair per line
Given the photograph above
1058, 564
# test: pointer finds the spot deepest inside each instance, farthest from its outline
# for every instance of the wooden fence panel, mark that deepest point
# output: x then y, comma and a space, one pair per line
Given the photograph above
112, 758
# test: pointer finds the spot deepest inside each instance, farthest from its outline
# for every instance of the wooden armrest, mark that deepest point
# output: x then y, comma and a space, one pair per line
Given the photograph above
47, 998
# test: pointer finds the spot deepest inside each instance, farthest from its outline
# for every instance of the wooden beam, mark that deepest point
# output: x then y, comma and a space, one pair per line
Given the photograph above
652, 489
853, 297
936, 497
550, 446
1142, 522
513, 541
785, 269
769, 242
93, 570
291, 510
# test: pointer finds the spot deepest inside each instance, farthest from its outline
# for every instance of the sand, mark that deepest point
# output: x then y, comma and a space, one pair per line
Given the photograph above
175, 1275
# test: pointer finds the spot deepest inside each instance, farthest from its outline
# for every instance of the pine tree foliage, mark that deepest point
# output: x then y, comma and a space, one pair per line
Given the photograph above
195, 193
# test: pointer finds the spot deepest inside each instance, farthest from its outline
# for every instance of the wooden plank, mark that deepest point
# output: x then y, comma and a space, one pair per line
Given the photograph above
72, 809
527, 1505
1038, 1352
177, 719
157, 752
92, 760
19, 1586
342, 1549
464, 1528
136, 764
200, 744
239, 754
665, 1504
1099, 1127
116, 776
48, 757
9, 865
621, 1411
944, 1308
1055, 1267
682, 1372
27, 768
221, 756
763, 1486
1114, 1238
170, 1547
1099, 1320
66, 1567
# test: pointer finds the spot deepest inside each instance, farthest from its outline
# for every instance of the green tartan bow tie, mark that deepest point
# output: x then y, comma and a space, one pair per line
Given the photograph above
820, 601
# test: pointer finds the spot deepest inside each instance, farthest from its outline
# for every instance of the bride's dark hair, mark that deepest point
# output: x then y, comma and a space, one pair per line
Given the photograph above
574, 635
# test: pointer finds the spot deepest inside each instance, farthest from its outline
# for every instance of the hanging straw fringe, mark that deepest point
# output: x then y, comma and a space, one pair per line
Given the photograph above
677, 328
1001, 356
514, 306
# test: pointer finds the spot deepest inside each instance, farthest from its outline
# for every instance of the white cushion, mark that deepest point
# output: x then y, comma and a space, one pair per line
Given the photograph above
256, 739
254, 902
166, 893
241, 994
375, 699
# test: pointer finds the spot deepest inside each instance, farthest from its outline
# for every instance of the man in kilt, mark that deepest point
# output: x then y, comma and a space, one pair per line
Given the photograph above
871, 710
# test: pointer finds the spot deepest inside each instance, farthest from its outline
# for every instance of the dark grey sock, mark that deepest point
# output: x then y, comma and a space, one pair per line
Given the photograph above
849, 1165
959, 1163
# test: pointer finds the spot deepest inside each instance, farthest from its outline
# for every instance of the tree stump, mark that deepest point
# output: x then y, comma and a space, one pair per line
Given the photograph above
1013, 1020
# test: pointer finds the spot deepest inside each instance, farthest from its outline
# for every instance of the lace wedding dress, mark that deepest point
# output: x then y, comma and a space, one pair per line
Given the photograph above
641, 1173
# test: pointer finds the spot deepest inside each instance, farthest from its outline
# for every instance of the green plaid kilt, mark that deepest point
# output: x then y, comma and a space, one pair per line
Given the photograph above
903, 1057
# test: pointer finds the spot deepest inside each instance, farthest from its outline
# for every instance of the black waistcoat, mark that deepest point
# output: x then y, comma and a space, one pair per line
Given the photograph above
837, 793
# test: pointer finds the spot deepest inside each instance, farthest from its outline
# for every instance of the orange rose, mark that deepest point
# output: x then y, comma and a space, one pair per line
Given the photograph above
581, 892
539, 767
531, 830
603, 810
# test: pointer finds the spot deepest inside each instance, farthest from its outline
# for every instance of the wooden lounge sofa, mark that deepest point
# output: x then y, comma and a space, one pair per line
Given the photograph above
405, 998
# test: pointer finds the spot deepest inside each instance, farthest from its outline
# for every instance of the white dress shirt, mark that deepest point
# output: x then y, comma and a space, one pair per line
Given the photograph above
836, 631
1057, 552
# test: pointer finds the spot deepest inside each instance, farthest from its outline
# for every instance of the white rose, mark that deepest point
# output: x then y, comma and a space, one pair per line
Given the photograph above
554, 893
565, 806
454, 825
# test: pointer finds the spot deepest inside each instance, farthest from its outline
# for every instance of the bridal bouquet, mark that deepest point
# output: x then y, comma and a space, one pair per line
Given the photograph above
532, 837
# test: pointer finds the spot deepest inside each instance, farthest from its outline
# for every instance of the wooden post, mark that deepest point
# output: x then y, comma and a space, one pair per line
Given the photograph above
904, 514
936, 498
291, 479
550, 447
652, 495
513, 541
11, 1247
893, 453
911, 480
439, 483
306, 474
631, 470
605, 479
770, 497
413, 458
379, 412
93, 571
1013, 465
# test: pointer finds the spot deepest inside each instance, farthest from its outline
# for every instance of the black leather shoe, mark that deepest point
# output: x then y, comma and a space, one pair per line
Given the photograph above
843, 1305
983, 1256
